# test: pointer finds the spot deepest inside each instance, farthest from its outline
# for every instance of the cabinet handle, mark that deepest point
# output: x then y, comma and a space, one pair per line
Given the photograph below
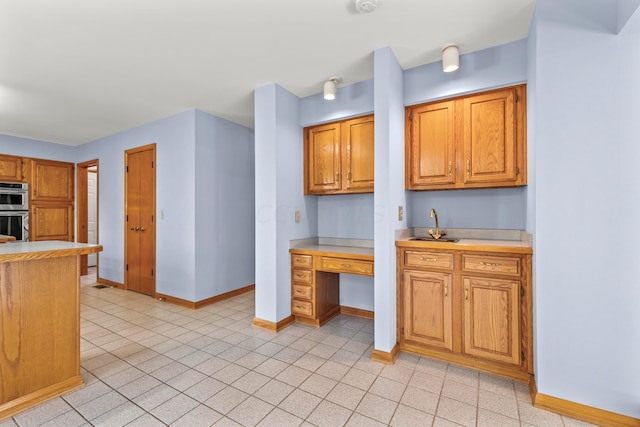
466, 293
446, 289
468, 167
490, 264
428, 259
346, 265
337, 176
300, 307
349, 176
300, 291
300, 261
450, 167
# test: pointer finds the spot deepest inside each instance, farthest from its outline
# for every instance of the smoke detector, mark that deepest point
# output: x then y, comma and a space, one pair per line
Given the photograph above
366, 6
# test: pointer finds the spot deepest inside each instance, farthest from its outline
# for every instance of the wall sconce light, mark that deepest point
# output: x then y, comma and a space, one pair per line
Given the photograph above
330, 87
450, 58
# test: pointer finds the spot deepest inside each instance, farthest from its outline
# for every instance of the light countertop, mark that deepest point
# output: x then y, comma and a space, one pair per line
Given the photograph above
23, 251
471, 240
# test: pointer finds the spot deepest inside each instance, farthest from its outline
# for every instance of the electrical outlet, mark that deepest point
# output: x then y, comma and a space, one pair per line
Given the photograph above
400, 213
297, 216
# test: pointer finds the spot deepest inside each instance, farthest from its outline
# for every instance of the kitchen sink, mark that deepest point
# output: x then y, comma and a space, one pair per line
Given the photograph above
431, 239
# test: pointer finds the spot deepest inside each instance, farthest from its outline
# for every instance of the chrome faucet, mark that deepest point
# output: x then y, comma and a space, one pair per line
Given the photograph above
437, 234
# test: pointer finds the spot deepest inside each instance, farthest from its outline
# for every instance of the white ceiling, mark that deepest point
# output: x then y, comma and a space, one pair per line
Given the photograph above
72, 71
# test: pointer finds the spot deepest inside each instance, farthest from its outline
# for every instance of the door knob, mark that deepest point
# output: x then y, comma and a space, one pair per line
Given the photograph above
141, 228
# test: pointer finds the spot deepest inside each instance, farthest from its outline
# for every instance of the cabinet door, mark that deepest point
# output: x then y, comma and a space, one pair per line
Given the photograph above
491, 313
322, 159
51, 222
357, 147
427, 308
431, 153
10, 168
51, 181
490, 138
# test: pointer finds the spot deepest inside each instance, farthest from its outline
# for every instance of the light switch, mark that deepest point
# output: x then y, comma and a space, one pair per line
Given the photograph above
400, 213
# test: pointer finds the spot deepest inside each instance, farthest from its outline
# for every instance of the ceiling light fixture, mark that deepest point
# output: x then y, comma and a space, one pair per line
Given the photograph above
366, 6
450, 58
330, 87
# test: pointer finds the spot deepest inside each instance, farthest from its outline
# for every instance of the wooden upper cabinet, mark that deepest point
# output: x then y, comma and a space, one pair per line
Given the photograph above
51, 181
338, 157
489, 137
432, 154
358, 147
322, 158
473, 141
11, 168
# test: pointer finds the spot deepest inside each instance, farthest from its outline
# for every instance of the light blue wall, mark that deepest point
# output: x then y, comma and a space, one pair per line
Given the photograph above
498, 66
587, 206
389, 191
224, 206
175, 195
26, 147
279, 194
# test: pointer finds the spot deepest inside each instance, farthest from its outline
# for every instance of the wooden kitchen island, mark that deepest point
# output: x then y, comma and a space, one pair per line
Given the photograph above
39, 322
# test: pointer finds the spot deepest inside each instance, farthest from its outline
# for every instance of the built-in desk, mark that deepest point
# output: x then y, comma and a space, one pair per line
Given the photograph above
315, 278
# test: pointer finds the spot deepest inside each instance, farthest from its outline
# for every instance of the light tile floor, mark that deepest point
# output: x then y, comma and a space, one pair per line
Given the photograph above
151, 363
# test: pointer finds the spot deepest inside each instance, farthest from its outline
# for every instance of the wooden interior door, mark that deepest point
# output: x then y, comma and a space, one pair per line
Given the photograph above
140, 231
87, 211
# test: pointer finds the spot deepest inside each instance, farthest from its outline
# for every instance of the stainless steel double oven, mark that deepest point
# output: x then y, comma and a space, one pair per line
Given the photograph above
14, 210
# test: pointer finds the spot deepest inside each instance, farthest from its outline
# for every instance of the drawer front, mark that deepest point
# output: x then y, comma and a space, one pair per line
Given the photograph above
510, 266
351, 266
301, 308
302, 276
301, 292
428, 259
305, 261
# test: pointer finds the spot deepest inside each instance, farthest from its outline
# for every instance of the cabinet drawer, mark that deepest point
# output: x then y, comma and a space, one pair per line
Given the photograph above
302, 276
301, 292
428, 259
488, 264
305, 261
352, 266
302, 308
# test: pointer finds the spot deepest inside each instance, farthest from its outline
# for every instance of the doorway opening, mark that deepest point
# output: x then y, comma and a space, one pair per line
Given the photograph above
87, 215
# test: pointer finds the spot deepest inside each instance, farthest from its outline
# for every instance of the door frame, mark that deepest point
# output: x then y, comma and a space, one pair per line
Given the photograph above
82, 211
147, 147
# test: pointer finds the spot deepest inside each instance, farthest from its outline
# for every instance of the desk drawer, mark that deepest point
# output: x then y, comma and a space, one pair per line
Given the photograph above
302, 276
343, 265
304, 261
428, 259
487, 264
301, 292
301, 308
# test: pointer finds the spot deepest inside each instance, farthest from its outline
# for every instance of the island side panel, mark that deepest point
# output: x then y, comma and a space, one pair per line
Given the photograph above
39, 331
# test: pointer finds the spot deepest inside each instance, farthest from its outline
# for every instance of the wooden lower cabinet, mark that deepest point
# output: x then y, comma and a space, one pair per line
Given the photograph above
491, 319
469, 308
315, 282
427, 308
